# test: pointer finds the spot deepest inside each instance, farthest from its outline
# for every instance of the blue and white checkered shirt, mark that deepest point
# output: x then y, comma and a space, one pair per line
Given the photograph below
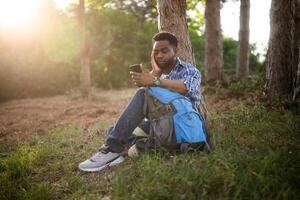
190, 76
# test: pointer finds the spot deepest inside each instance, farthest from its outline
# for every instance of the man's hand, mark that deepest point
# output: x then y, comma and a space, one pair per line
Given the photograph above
142, 79
156, 71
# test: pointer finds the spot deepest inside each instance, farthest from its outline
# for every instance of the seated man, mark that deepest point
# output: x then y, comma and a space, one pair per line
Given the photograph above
169, 72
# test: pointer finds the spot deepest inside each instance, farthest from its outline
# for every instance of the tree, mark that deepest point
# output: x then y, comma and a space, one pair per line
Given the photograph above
172, 18
85, 75
213, 42
242, 61
296, 92
282, 67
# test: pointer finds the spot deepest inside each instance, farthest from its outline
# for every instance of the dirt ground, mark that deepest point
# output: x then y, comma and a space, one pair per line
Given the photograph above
19, 119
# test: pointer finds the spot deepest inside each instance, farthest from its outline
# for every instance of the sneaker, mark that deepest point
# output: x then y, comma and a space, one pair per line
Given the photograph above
101, 160
133, 151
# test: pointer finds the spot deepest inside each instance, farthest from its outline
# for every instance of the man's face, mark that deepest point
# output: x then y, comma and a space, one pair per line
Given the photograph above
164, 53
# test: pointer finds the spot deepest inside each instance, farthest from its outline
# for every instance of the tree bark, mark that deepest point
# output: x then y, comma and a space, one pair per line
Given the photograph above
296, 92
85, 80
172, 18
242, 61
280, 69
213, 42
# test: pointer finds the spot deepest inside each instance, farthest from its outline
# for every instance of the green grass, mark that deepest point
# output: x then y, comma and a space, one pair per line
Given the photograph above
255, 156
47, 167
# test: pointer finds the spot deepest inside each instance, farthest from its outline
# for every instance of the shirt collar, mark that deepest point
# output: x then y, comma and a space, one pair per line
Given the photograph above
177, 64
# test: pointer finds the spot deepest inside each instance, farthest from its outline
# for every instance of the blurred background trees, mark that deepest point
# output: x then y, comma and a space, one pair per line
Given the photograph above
85, 49
242, 61
46, 60
213, 42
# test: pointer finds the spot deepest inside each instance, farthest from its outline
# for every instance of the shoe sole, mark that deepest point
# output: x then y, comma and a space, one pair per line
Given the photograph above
113, 163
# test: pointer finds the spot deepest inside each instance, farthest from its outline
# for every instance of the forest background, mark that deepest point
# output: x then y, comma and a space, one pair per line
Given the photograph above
45, 60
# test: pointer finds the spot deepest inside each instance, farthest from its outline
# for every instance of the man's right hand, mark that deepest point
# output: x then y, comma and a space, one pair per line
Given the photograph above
156, 71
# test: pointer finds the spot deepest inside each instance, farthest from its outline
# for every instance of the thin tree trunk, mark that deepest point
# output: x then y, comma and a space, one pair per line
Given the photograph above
296, 92
85, 80
213, 42
242, 61
280, 69
172, 18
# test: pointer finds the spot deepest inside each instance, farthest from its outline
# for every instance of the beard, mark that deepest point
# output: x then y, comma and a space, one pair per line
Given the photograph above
165, 64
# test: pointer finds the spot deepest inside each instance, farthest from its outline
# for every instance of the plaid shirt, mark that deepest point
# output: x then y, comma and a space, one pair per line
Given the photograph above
191, 78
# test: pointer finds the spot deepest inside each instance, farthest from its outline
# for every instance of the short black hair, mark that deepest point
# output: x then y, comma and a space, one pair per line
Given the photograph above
165, 36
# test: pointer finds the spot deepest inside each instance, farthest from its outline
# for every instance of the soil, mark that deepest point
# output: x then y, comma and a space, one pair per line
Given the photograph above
19, 119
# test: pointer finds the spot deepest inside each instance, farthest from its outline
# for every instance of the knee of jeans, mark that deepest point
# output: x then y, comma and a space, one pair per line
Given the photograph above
140, 91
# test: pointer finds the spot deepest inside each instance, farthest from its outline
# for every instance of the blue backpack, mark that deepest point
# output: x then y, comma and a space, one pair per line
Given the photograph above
173, 120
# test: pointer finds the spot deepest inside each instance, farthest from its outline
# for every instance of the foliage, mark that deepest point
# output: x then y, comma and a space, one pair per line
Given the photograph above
47, 62
242, 86
142, 10
195, 16
229, 54
198, 48
40, 63
121, 40
50, 65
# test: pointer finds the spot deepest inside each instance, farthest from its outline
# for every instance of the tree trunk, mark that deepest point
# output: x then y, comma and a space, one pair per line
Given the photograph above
242, 61
85, 80
296, 92
172, 18
280, 69
213, 42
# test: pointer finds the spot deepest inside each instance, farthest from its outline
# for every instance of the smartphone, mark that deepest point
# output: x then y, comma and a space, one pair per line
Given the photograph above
135, 68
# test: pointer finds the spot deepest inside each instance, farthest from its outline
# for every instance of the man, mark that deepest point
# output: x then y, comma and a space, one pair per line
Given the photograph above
169, 72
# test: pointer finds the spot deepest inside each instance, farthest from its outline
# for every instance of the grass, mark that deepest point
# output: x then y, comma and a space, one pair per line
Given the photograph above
46, 167
255, 156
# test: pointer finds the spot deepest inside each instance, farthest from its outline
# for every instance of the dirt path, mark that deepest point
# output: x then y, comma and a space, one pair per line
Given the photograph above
21, 118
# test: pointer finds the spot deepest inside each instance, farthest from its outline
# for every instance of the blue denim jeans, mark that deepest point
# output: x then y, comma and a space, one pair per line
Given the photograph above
131, 117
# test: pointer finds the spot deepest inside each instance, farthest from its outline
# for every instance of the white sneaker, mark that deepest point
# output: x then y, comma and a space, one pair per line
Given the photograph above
101, 160
133, 151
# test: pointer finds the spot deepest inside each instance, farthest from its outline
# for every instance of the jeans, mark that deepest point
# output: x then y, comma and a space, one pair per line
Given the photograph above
131, 117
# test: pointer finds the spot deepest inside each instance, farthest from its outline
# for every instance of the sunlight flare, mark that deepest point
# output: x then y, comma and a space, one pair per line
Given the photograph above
16, 13
63, 4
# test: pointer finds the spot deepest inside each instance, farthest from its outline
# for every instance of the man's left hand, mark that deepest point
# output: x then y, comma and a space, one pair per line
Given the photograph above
142, 79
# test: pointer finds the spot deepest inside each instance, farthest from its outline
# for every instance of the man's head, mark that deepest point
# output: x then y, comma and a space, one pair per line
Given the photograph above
164, 49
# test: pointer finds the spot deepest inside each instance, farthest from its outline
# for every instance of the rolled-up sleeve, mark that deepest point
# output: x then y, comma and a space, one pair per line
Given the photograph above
191, 78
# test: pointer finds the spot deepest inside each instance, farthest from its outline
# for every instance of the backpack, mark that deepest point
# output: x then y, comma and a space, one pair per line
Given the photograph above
173, 120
